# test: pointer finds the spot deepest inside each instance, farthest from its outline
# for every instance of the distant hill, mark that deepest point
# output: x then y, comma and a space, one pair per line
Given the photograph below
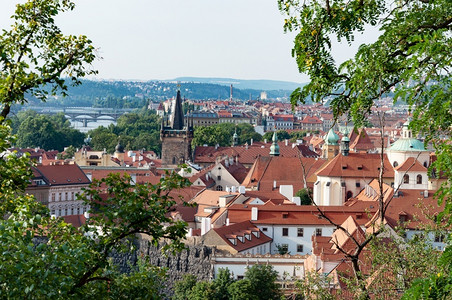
261, 85
131, 94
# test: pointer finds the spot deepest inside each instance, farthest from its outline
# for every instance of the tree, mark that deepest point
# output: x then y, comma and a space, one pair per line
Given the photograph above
48, 132
203, 290
183, 287
221, 284
305, 196
241, 290
263, 282
35, 53
281, 134
411, 59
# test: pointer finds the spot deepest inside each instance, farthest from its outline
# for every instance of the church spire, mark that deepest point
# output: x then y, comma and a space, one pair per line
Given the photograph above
178, 120
274, 148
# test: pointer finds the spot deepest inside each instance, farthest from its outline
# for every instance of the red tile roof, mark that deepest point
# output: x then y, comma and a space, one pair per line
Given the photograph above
362, 165
362, 142
67, 174
411, 165
283, 170
239, 232
301, 214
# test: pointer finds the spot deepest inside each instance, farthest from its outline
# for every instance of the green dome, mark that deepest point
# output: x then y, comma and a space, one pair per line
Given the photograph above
331, 138
408, 145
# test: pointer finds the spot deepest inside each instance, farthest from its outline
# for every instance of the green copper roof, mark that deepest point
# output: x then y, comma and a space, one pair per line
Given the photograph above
274, 148
408, 145
331, 138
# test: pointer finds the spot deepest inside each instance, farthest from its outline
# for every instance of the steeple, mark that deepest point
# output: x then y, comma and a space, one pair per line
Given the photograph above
345, 142
178, 120
274, 148
235, 138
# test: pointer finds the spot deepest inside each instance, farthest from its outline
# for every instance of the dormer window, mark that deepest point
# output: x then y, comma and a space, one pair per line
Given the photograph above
285, 215
395, 164
233, 241
344, 167
360, 167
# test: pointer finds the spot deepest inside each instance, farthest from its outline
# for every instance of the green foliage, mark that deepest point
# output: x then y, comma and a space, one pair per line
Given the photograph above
263, 282
314, 286
281, 134
437, 285
221, 284
35, 53
48, 132
305, 196
221, 134
183, 287
203, 290
259, 283
241, 290
140, 130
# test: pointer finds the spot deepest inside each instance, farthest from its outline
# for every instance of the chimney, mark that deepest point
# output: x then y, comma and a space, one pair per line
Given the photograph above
274, 184
265, 141
426, 194
241, 189
227, 221
287, 142
251, 142
205, 225
254, 214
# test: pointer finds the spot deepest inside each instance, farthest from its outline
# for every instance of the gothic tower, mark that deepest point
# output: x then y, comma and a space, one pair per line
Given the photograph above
176, 136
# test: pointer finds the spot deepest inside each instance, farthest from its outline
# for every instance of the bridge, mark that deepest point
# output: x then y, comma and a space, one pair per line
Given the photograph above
84, 114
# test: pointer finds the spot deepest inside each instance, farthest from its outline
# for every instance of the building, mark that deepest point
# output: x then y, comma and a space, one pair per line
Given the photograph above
57, 187
176, 136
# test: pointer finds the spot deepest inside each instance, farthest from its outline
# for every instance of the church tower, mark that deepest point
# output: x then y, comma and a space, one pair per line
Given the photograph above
176, 136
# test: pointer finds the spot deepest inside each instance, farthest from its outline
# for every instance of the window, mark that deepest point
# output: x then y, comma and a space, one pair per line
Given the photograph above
65, 196
395, 164
300, 232
219, 188
318, 231
53, 197
59, 196
285, 231
264, 229
406, 178
218, 177
439, 238
72, 196
419, 179
285, 215
299, 248
357, 184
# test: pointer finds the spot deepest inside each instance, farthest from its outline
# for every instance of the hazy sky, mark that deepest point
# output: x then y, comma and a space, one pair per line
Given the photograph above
164, 39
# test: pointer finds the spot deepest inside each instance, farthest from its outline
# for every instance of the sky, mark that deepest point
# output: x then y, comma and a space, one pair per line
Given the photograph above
165, 39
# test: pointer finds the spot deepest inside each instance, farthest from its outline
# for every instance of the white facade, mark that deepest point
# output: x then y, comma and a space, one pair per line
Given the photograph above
294, 236
289, 267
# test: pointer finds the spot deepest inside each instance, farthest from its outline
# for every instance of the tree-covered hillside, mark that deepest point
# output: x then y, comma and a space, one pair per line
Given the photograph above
94, 93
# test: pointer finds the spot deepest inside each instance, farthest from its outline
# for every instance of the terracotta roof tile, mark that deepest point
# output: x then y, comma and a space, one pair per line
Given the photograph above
362, 165
411, 165
256, 237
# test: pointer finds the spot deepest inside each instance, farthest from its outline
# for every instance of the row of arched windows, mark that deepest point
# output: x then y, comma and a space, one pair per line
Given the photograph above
406, 179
